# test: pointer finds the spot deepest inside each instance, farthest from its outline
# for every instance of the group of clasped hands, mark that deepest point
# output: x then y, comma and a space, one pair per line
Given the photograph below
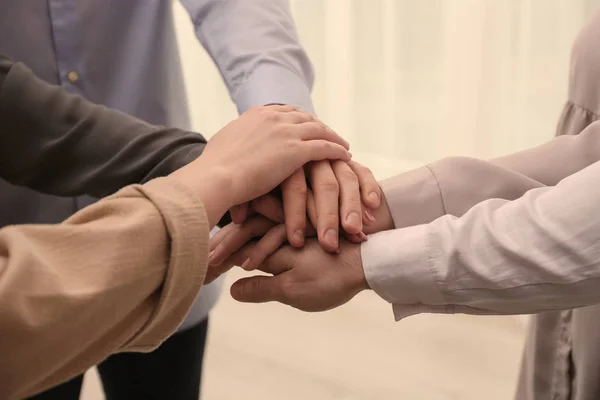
299, 203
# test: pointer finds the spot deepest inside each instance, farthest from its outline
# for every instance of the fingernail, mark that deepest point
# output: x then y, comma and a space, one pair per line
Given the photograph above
362, 236
374, 197
353, 219
246, 264
299, 237
331, 237
369, 216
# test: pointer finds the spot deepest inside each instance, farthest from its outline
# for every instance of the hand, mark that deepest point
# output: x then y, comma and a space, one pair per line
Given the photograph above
255, 153
308, 279
271, 235
266, 215
340, 191
335, 197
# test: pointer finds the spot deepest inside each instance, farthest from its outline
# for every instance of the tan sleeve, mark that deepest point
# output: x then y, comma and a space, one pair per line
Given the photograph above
454, 185
117, 276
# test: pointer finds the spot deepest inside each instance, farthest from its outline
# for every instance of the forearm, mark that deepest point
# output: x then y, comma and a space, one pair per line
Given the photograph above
255, 46
556, 159
119, 275
454, 185
61, 144
529, 255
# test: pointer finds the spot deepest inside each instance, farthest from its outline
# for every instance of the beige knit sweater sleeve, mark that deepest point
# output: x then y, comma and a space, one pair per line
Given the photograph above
118, 276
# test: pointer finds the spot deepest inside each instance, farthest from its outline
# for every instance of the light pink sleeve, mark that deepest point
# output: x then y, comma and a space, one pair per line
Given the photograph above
534, 254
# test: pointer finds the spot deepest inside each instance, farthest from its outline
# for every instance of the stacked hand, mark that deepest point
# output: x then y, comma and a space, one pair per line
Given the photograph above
254, 154
308, 279
282, 193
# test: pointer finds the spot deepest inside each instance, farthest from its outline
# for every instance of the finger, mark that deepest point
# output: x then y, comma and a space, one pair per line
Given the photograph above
238, 237
266, 246
326, 192
213, 272
293, 192
270, 207
317, 130
239, 213
296, 117
357, 238
281, 107
240, 256
219, 236
368, 218
317, 150
311, 208
350, 204
256, 289
369, 187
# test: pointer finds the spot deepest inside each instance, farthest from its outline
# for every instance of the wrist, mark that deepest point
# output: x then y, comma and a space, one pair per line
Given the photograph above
357, 279
383, 218
213, 189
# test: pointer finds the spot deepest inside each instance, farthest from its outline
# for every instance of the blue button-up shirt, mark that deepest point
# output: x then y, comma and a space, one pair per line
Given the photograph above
124, 54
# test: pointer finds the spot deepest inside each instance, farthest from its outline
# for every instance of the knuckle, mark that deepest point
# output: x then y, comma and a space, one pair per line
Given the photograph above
319, 127
330, 184
258, 110
254, 287
269, 114
282, 133
296, 188
299, 116
365, 170
329, 219
348, 175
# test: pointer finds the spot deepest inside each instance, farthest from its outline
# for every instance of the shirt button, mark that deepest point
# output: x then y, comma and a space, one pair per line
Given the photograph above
73, 76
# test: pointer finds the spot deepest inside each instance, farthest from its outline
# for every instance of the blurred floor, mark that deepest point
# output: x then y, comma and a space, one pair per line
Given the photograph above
406, 82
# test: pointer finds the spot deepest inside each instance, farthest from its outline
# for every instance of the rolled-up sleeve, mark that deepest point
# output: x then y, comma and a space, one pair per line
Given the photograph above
255, 46
537, 253
119, 275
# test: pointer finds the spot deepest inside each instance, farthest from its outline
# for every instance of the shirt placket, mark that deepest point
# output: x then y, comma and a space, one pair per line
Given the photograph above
67, 46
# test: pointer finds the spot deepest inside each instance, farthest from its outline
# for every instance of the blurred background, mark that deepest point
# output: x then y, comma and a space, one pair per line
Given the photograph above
406, 82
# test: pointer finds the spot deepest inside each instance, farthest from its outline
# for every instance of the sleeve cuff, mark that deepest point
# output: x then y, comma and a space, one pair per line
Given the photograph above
271, 84
413, 197
397, 267
186, 222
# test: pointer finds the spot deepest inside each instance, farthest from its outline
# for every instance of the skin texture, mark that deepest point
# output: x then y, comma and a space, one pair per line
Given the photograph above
308, 279
232, 174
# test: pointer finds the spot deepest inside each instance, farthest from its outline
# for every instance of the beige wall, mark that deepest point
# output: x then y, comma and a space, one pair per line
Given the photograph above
418, 80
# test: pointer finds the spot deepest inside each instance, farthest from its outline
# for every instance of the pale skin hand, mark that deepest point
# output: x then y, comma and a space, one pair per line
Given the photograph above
271, 233
338, 189
231, 173
308, 279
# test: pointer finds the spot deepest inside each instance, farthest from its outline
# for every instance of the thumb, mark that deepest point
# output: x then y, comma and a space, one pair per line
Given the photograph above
256, 289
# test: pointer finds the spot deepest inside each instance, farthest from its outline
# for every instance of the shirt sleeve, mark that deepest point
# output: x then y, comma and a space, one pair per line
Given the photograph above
455, 184
533, 254
119, 275
255, 46
61, 144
